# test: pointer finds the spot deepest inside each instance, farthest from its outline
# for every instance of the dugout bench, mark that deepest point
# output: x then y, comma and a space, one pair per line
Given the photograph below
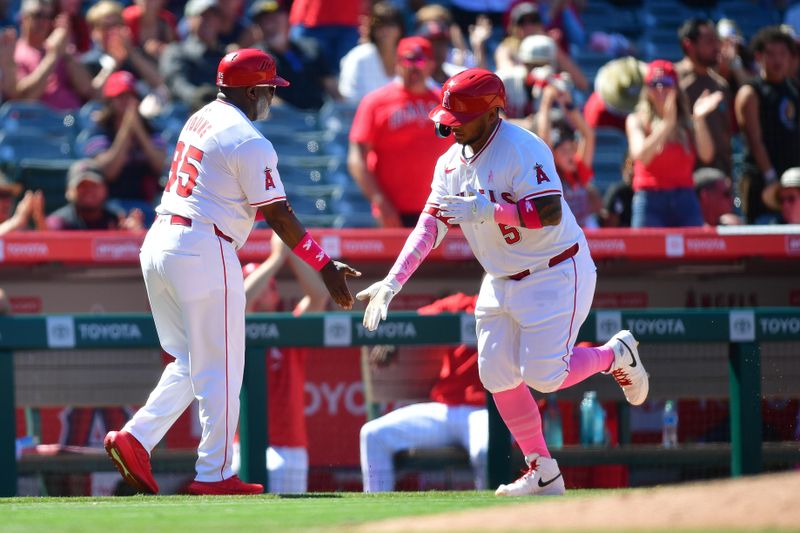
750, 343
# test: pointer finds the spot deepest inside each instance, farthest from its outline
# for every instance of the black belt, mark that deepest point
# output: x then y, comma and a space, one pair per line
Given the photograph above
560, 258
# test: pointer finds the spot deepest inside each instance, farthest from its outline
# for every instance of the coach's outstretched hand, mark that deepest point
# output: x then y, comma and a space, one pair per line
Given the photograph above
379, 294
334, 275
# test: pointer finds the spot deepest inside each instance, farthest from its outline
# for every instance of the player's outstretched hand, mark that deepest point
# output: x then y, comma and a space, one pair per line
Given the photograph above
379, 295
472, 209
335, 274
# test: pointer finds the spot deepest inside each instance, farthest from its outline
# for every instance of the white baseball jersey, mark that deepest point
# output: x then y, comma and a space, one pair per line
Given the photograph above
223, 169
514, 165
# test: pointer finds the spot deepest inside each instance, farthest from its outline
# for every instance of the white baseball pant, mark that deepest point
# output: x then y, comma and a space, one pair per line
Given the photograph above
527, 328
422, 425
194, 283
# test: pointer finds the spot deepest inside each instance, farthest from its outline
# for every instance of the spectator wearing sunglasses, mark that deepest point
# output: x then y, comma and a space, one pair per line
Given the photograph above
664, 143
785, 197
715, 194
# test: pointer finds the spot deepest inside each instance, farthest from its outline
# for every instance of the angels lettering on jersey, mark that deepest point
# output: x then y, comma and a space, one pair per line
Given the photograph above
411, 112
513, 167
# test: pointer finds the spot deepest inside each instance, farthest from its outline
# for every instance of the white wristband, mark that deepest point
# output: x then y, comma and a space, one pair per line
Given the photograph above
770, 175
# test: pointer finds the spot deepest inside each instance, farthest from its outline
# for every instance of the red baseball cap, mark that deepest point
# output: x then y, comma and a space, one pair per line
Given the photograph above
661, 71
118, 83
414, 50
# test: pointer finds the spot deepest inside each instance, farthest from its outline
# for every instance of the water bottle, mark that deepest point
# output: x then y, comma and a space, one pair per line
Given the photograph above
598, 425
553, 432
588, 408
669, 434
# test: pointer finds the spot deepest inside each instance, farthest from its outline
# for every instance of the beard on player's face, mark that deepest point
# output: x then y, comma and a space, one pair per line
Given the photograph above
471, 132
262, 107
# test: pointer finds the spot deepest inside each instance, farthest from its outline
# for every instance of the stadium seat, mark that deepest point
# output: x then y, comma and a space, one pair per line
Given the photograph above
590, 62
38, 119
49, 175
286, 119
26, 144
337, 116
355, 220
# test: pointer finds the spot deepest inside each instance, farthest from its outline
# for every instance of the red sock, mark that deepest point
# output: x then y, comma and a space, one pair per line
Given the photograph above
586, 362
521, 415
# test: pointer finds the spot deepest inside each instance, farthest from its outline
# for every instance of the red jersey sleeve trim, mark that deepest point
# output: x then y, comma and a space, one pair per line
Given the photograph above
542, 193
267, 202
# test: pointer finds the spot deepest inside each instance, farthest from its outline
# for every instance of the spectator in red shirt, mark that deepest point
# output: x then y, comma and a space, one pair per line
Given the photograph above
664, 143
47, 68
152, 27
393, 149
333, 24
287, 455
456, 414
79, 29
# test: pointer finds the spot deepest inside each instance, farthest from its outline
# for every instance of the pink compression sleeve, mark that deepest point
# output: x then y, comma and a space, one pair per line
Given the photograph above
418, 245
507, 214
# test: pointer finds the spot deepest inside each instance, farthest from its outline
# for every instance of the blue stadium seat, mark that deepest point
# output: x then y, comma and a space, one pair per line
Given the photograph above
37, 118
48, 175
26, 144
286, 119
337, 116
355, 220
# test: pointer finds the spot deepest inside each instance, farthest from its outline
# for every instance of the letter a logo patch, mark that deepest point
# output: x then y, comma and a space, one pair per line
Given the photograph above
269, 183
541, 177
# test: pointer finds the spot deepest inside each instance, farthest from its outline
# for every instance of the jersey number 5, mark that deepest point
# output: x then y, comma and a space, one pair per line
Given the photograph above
184, 169
510, 233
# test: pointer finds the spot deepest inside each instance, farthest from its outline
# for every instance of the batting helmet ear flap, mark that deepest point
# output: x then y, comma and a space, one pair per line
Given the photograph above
442, 131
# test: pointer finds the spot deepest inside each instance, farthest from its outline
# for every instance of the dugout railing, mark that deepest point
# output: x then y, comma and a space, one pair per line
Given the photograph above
733, 344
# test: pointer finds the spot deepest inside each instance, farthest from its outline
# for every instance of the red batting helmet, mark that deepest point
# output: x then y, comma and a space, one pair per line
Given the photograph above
468, 95
248, 67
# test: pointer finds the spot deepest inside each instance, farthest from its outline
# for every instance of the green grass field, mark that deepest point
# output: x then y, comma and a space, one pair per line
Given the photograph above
339, 512
228, 514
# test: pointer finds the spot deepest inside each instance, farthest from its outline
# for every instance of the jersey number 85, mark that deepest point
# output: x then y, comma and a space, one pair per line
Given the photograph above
184, 169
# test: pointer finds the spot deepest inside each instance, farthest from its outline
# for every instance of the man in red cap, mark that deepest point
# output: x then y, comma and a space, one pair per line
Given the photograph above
392, 149
499, 183
223, 172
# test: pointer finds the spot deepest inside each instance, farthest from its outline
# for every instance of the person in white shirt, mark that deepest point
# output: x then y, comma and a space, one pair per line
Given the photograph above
222, 172
371, 64
499, 183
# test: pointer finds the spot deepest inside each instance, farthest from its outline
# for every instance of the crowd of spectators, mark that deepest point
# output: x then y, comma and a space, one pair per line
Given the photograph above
711, 139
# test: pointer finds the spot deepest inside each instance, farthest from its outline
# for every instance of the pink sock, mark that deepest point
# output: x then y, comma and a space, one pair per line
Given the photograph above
521, 415
586, 362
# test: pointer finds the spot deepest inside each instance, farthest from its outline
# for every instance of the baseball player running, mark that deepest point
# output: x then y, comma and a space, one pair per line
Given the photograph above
499, 183
223, 170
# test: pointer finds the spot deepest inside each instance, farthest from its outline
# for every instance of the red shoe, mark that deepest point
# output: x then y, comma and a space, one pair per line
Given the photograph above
132, 460
232, 486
